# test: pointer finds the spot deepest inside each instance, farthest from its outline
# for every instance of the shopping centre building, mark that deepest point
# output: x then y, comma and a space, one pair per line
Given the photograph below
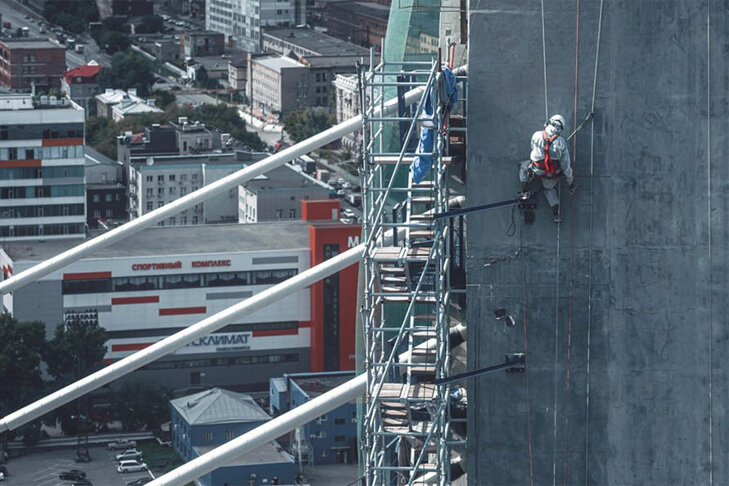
164, 279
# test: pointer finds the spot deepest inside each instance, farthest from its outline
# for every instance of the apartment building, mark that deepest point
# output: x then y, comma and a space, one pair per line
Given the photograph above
41, 168
278, 84
277, 195
157, 180
242, 21
348, 106
31, 62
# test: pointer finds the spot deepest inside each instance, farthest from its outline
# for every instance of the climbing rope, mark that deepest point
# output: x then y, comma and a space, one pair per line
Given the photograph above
709, 208
544, 63
526, 354
589, 271
572, 261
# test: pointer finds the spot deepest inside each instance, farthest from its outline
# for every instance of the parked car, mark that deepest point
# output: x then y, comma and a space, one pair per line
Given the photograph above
4, 470
2, 477
348, 213
122, 444
129, 454
72, 475
140, 482
131, 466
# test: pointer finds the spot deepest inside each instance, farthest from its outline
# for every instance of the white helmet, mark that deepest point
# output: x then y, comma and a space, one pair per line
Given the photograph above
557, 121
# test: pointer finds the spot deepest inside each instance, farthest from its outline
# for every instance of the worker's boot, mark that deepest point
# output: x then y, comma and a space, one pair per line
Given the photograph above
555, 214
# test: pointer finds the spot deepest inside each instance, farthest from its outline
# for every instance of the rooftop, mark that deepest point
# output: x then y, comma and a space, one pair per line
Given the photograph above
278, 63
111, 96
285, 176
266, 454
320, 383
86, 71
180, 240
30, 44
218, 406
317, 42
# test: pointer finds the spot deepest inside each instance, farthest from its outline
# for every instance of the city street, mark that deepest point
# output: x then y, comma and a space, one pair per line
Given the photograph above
15, 13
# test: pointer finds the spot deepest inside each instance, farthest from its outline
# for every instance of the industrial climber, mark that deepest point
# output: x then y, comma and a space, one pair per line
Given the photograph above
549, 160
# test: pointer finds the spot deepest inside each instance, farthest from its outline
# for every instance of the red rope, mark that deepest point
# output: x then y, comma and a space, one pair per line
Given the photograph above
526, 367
572, 259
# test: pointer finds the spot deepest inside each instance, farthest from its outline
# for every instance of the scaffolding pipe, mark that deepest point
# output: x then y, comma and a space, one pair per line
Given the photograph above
265, 433
76, 253
176, 341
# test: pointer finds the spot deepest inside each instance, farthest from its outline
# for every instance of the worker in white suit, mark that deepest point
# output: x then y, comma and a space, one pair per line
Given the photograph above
549, 160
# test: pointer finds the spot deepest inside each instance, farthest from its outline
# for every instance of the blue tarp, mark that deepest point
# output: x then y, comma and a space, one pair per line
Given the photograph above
422, 163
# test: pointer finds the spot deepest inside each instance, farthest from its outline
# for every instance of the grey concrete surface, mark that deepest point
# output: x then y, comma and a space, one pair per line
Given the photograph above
637, 269
43, 468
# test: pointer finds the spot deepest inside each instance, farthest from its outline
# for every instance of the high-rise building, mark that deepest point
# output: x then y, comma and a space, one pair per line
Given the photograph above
41, 168
242, 21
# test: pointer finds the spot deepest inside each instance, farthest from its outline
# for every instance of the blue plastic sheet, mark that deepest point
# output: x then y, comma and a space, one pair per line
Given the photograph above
423, 162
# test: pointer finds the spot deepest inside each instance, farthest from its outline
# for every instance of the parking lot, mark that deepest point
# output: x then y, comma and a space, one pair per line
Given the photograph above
43, 468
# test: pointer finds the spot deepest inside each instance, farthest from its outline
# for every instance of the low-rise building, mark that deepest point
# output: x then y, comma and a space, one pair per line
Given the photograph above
132, 8
81, 84
205, 420
330, 439
106, 199
31, 62
277, 195
118, 104
278, 84
238, 73
201, 43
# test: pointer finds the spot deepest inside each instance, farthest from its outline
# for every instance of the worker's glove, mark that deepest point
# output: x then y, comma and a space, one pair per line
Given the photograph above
572, 188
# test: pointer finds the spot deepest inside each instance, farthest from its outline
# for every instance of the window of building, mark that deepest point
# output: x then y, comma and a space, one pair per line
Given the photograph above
95, 198
183, 177
208, 436
150, 205
4, 132
150, 192
108, 197
29, 154
173, 190
97, 213
193, 177
292, 213
279, 213
183, 191
12, 153
109, 213
161, 178
160, 191
150, 178
229, 435
172, 177
340, 438
323, 418
339, 421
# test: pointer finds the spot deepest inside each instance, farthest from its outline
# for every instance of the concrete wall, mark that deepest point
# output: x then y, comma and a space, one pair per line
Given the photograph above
48, 309
634, 279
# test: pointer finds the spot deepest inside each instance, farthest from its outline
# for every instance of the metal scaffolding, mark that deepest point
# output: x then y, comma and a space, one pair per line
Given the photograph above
407, 281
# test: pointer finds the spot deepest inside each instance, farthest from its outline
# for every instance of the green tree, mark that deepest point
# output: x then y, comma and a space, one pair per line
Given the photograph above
128, 70
149, 24
164, 99
113, 41
141, 404
77, 348
203, 79
302, 124
21, 353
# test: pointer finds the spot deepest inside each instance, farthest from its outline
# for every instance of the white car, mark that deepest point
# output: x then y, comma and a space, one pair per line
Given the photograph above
129, 454
347, 213
131, 466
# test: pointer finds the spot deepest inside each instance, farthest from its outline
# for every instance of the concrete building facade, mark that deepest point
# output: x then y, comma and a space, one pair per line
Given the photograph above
620, 309
347, 106
31, 62
81, 84
278, 84
277, 195
41, 168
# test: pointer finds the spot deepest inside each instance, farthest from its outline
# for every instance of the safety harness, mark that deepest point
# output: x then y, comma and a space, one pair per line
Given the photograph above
548, 167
